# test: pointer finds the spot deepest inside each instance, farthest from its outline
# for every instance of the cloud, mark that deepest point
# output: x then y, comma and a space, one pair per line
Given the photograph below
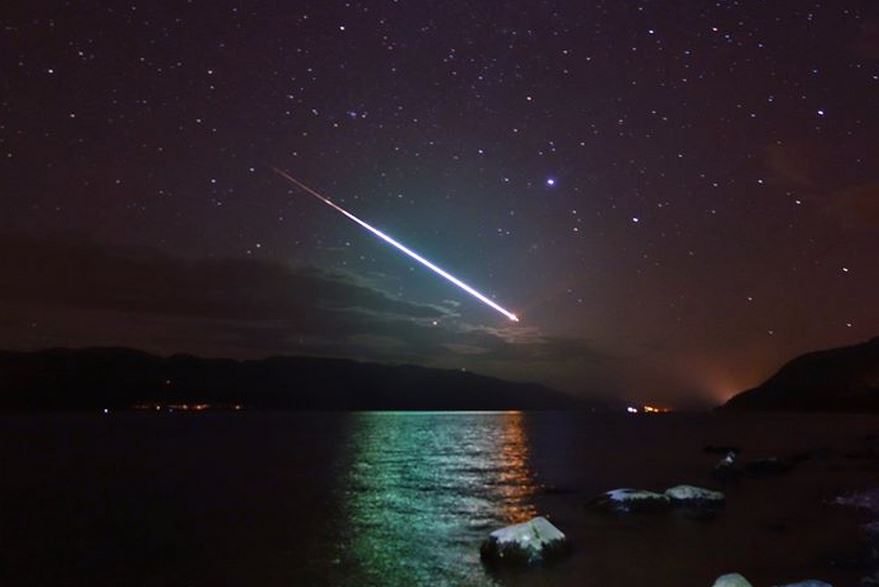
76, 293
793, 163
856, 207
87, 275
866, 42
850, 202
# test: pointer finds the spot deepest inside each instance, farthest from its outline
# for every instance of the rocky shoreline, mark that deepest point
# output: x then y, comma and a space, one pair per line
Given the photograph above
537, 543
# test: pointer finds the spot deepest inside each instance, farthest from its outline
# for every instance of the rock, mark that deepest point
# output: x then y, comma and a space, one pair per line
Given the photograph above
532, 543
868, 500
768, 467
726, 469
732, 580
694, 497
808, 583
721, 449
631, 500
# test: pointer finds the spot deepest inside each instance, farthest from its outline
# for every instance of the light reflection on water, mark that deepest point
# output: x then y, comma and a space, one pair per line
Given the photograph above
424, 489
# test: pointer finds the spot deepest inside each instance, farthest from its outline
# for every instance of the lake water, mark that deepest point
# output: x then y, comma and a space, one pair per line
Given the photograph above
406, 498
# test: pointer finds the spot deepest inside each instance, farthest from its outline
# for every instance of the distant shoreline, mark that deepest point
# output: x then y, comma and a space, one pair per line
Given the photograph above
121, 378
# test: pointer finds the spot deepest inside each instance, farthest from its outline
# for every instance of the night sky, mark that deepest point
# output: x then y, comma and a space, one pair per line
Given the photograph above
675, 197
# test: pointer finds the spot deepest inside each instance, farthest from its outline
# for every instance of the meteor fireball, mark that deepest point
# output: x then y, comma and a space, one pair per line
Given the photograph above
439, 271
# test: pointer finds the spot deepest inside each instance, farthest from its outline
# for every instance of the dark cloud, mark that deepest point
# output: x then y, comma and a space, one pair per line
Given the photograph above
75, 293
85, 275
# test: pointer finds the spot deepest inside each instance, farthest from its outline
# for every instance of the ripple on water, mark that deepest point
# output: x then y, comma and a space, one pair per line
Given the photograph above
423, 490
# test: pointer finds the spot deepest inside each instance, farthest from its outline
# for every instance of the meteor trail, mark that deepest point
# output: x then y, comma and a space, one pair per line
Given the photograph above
482, 298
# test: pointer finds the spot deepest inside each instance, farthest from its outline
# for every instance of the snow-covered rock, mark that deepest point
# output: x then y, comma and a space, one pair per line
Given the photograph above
732, 580
530, 543
868, 500
692, 496
631, 500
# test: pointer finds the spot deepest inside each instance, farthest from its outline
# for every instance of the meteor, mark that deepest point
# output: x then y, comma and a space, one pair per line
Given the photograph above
479, 296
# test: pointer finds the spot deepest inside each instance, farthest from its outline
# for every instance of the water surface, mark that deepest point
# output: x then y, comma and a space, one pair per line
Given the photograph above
406, 498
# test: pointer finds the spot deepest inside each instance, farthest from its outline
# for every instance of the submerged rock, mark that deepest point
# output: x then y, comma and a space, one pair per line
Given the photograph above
532, 543
808, 583
726, 469
768, 467
690, 496
631, 500
868, 558
732, 580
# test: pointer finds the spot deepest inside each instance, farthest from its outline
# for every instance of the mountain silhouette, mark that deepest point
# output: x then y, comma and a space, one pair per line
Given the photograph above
119, 378
842, 379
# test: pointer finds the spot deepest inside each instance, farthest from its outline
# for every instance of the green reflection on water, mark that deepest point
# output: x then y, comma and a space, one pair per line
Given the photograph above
424, 489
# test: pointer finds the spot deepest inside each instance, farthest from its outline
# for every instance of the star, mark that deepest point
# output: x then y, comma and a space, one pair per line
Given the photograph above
443, 135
